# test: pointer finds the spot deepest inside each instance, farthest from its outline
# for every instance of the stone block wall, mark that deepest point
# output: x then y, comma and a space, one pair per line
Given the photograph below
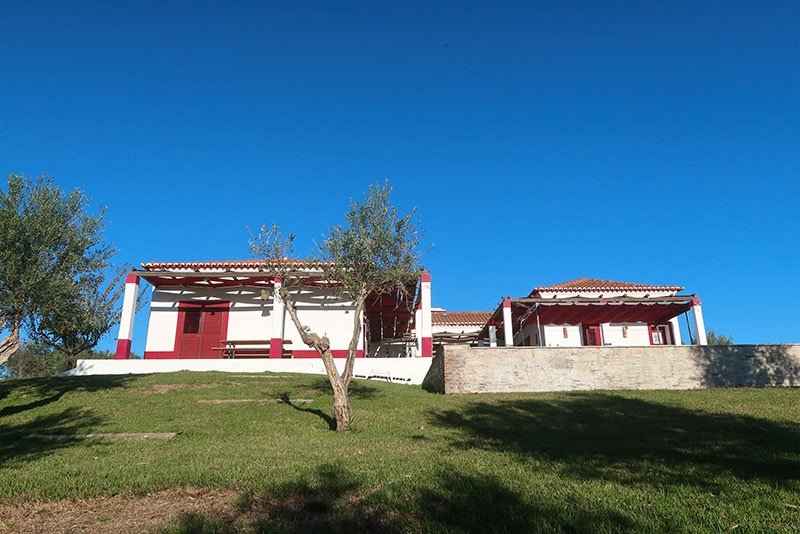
523, 369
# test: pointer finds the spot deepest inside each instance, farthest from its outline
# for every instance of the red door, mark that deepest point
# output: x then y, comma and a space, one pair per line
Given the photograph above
591, 335
201, 327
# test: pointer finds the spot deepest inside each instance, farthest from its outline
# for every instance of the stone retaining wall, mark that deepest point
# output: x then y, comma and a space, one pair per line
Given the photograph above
522, 369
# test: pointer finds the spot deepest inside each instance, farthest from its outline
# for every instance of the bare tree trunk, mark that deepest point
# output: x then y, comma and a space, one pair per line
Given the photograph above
358, 322
10, 344
341, 412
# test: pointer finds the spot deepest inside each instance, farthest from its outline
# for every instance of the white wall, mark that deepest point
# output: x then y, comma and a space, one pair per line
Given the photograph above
250, 315
403, 370
638, 334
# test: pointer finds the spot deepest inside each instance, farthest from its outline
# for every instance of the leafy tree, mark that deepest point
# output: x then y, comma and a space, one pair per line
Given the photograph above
35, 360
713, 338
53, 263
375, 252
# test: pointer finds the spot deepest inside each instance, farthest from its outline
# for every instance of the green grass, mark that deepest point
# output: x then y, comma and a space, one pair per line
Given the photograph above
706, 460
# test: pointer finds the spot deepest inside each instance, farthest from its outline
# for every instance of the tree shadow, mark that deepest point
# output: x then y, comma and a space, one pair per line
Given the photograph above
48, 390
316, 411
630, 441
747, 365
17, 419
19, 442
332, 499
358, 390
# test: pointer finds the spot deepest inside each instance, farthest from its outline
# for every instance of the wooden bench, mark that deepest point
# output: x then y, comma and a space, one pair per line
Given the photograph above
249, 348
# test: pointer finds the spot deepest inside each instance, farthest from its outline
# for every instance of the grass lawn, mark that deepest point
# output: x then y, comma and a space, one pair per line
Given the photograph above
706, 460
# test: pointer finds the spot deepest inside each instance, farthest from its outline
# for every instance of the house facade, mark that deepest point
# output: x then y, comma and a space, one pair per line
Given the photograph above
591, 312
224, 309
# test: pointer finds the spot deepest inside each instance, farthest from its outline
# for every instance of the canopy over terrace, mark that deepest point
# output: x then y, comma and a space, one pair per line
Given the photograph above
387, 316
512, 314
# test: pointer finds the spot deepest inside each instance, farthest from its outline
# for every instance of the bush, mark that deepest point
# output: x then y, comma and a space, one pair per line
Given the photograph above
33, 360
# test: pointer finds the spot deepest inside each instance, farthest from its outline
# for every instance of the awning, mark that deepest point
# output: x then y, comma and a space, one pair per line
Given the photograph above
581, 310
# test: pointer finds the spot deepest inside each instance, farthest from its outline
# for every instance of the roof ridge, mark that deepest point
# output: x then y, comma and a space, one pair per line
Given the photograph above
595, 284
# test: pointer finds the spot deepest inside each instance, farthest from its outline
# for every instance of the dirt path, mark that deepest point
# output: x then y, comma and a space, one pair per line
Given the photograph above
115, 514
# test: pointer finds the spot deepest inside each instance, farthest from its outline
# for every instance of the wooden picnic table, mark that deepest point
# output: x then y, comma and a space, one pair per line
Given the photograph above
249, 348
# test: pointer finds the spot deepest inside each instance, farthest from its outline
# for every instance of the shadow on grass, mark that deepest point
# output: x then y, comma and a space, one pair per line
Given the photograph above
16, 446
334, 500
319, 413
603, 436
45, 391
358, 390
19, 420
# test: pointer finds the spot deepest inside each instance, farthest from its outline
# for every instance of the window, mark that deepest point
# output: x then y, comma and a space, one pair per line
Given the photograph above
191, 322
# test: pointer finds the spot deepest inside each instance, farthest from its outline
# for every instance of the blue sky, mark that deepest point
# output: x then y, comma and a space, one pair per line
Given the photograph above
653, 142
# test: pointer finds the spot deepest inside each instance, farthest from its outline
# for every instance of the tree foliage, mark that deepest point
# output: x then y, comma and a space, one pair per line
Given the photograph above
53, 265
376, 251
714, 338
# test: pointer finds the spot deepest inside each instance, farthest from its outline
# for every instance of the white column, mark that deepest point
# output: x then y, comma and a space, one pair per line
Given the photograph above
427, 316
676, 331
126, 319
492, 335
508, 325
699, 324
418, 329
278, 317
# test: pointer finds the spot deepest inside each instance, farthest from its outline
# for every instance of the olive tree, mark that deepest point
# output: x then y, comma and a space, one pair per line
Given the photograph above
376, 251
54, 262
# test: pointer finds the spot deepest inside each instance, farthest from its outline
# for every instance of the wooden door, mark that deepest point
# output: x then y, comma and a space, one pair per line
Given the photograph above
201, 327
592, 335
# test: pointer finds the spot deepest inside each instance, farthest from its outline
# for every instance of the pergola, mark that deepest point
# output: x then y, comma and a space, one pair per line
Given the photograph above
387, 316
513, 313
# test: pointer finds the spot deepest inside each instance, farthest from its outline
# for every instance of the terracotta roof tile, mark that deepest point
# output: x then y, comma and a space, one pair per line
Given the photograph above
445, 318
592, 284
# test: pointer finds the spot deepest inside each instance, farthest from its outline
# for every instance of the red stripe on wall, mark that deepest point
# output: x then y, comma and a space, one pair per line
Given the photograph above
173, 355
132, 279
275, 347
314, 354
123, 349
425, 277
427, 347
160, 355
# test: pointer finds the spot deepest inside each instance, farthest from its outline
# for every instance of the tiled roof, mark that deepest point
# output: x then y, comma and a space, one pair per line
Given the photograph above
228, 265
592, 284
445, 318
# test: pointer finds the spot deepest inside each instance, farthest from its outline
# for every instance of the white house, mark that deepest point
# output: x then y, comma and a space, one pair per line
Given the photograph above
590, 312
231, 309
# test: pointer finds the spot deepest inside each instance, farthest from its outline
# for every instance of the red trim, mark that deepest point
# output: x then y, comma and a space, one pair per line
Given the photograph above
427, 347
650, 333
275, 347
695, 302
160, 355
310, 353
132, 279
276, 280
123, 349
425, 277
173, 355
506, 303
